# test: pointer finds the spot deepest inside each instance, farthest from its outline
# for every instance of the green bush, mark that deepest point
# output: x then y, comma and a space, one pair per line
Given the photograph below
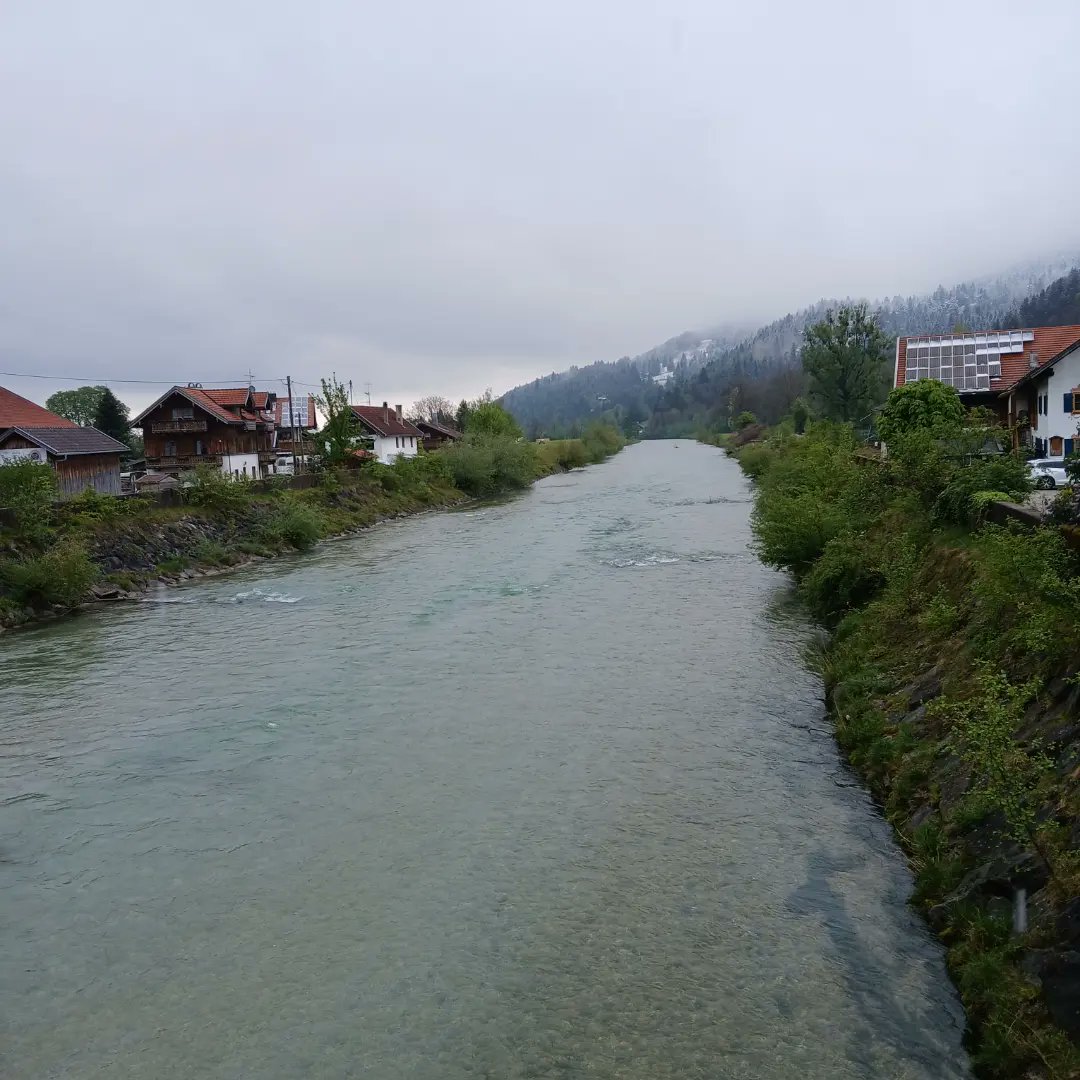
812, 490
970, 488
1025, 596
212, 489
755, 459
28, 490
293, 523
845, 576
175, 564
414, 476
486, 465
62, 576
211, 553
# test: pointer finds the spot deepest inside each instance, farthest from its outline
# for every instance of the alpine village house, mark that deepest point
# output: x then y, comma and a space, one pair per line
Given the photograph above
392, 435
231, 430
1030, 379
81, 457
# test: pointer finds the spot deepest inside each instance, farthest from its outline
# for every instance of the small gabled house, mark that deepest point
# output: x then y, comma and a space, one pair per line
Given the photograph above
81, 457
436, 435
233, 430
393, 436
1029, 378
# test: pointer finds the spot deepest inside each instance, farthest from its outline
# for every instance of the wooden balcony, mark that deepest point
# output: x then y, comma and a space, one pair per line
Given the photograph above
167, 427
183, 461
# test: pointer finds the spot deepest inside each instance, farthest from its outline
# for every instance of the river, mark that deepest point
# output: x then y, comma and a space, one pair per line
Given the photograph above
533, 789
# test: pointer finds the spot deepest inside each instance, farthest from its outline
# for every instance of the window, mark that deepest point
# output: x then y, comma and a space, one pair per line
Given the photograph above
199, 448
170, 449
183, 413
397, 443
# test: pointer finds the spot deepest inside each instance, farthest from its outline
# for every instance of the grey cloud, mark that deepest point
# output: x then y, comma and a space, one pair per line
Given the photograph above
439, 197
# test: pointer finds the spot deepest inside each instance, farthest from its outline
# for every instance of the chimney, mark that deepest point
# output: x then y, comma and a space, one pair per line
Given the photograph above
398, 407
386, 412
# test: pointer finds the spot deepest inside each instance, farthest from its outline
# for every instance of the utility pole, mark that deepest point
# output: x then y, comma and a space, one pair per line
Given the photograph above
292, 421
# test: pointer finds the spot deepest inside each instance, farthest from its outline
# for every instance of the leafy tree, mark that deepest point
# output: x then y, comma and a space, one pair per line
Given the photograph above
843, 356
339, 432
486, 417
435, 409
79, 406
745, 419
800, 414
926, 405
111, 417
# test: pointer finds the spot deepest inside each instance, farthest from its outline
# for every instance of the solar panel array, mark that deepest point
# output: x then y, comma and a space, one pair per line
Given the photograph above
966, 361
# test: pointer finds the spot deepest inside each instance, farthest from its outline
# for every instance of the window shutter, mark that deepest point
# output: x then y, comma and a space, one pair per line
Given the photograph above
1068, 406
1068, 447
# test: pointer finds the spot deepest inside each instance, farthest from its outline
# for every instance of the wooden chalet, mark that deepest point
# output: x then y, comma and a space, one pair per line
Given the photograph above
436, 435
232, 430
81, 457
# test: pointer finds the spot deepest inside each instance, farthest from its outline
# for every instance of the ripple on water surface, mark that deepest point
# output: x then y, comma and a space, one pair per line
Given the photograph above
538, 789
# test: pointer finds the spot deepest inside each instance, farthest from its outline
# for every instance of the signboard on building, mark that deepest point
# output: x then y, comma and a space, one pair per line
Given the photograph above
10, 457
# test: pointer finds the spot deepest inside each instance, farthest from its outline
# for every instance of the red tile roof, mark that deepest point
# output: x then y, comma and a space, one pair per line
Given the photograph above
234, 398
383, 420
1050, 342
16, 411
197, 397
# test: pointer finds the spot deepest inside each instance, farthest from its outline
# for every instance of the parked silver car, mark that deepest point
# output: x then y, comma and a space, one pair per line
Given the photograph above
1048, 472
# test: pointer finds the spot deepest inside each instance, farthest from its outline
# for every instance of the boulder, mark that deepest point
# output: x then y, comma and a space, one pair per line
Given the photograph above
105, 591
1058, 973
923, 689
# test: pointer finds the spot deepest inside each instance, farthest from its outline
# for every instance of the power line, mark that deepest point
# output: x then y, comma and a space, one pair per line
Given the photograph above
140, 382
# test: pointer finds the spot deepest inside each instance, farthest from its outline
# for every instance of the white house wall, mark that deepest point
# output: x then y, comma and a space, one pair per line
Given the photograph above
240, 465
1065, 377
390, 447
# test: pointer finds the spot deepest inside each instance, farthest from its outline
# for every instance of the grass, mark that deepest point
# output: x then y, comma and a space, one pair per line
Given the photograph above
177, 564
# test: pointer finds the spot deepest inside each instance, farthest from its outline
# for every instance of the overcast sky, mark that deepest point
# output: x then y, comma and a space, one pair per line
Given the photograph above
436, 196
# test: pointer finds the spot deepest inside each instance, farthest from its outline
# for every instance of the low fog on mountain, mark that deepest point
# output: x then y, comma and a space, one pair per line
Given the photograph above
437, 198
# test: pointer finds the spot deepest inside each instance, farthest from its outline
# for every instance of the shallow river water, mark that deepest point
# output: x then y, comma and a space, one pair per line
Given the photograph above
536, 789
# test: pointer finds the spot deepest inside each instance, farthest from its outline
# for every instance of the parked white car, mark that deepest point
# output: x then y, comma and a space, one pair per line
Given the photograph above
1048, 472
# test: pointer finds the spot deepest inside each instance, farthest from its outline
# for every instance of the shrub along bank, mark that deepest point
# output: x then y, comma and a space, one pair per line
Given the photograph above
54, 558
953, 678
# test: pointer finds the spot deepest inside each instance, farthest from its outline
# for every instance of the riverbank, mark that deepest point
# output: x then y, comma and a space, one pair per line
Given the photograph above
92, 549
952, 680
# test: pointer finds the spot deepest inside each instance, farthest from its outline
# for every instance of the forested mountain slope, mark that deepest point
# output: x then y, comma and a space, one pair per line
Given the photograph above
699, 379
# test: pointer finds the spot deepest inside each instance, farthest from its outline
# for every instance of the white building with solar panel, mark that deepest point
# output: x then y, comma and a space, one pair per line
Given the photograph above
1029, 378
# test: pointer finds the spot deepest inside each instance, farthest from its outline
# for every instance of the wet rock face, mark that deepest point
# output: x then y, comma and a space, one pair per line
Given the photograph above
992, 864
1058, 972
924, 689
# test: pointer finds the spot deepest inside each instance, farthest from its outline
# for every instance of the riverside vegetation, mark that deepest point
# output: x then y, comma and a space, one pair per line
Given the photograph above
953, 678
54, 557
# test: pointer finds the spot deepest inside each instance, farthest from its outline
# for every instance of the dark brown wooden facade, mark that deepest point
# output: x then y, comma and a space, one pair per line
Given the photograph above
187, 428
